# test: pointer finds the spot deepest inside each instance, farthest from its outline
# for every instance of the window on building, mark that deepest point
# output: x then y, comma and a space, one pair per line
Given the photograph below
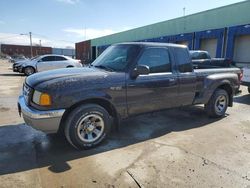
157, 59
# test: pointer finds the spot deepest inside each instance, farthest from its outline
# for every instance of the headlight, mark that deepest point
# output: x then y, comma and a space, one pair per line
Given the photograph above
42, 99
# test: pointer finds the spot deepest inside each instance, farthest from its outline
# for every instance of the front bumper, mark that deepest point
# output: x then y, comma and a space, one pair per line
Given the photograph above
46, 121
17, 68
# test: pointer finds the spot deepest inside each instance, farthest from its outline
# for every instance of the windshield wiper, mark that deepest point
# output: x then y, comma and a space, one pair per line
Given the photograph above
104, 67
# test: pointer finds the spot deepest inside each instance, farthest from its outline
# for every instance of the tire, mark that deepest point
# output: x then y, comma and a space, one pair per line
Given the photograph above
248, 89
87, 126
29, 71
217, 104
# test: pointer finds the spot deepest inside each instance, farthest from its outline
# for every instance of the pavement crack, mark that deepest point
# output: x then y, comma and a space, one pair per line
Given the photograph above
125, 170
205, 160
132, 176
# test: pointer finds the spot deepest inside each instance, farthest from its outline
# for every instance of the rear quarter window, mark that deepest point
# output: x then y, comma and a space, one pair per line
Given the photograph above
183, 60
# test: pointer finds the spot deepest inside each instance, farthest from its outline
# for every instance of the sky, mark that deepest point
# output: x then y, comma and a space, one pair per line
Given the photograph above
62, 23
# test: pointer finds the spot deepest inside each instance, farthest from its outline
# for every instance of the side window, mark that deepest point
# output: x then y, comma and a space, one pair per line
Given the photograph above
204, 55
59, 58
183, 60
48, 58
157, 59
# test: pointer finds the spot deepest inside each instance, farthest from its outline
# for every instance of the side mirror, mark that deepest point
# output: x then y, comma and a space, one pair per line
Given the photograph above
140, 70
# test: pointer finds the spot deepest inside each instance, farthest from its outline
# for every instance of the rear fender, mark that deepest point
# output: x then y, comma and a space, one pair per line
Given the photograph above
227, 81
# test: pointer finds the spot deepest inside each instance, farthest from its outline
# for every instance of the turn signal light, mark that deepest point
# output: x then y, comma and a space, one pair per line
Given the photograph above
45, 99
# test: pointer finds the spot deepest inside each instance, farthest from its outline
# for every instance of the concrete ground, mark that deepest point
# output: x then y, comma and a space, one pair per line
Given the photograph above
174, 148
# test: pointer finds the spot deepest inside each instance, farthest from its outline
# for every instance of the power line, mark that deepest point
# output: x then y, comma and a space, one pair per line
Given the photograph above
36, 34
53, 38
14, 36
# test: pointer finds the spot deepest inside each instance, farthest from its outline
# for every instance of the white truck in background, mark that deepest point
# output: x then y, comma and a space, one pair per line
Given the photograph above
246, 76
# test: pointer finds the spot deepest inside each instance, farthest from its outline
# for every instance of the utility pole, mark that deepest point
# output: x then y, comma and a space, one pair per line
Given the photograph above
40, 41
31, 50
184, 11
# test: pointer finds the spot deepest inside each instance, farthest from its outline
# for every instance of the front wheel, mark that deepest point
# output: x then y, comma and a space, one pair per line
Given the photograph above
28, 71
217, 104
87, 125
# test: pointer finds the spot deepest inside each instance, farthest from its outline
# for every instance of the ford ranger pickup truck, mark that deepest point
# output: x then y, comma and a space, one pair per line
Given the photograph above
125, 80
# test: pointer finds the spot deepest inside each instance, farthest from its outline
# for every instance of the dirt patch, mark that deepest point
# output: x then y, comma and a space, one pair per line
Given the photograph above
3, 109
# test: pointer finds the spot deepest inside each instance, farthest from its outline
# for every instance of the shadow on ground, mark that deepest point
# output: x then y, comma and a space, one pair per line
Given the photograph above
12, 74
243, 99
22, 148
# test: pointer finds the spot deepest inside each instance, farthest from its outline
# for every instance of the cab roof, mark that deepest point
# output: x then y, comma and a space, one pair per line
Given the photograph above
155, 44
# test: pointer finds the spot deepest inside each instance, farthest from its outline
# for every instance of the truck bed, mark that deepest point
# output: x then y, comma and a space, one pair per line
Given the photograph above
201, 74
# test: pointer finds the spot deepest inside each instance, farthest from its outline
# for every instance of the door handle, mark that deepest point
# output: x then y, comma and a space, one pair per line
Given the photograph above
171, 79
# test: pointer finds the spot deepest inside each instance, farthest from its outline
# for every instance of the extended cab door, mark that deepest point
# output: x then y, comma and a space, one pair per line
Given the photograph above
186, 77
158, 89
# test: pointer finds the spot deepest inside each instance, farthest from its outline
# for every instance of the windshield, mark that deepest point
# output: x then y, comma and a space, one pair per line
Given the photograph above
116, 58
33, 58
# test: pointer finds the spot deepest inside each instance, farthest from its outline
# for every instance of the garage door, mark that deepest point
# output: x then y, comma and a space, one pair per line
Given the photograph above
209, 45
242, 49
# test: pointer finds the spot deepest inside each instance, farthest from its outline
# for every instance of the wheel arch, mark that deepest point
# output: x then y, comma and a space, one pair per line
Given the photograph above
28, 66
204, 96
227, 87
106, 104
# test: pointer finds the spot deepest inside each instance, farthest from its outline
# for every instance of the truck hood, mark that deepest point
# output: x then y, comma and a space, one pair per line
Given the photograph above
63, 76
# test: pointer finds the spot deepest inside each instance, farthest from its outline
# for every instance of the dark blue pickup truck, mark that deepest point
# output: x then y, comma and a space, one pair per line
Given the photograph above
125, 80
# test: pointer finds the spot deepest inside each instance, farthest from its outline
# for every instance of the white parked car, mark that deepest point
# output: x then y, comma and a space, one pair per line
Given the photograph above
44, 63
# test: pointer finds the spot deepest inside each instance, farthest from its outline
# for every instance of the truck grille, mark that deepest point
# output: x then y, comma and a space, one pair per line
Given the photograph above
26, 92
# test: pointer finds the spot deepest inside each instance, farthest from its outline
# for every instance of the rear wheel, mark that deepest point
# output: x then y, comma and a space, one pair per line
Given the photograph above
87, 126
29, 70
217, 104
248, 89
